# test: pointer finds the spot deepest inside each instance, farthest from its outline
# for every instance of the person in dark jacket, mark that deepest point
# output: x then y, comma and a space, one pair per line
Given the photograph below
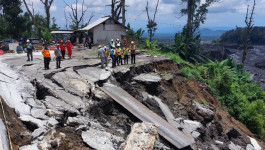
29, 48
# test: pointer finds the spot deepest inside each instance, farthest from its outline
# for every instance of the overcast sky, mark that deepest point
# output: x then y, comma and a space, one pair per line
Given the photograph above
225, 13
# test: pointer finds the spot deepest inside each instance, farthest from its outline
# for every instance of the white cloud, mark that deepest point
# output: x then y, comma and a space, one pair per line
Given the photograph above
53, 8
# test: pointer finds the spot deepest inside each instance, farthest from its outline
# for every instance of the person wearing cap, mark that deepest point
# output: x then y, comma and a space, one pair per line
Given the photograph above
58, 55
111, 44
29, 49
69, 47
133, 49
46, 56
62, 47
101, 55
118, 54
126, 54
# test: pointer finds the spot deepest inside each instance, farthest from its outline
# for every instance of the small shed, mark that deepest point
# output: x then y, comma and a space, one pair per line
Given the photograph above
104, 29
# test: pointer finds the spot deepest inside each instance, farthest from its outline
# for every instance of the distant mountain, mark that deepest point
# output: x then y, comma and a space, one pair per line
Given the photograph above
206, 33
211, 34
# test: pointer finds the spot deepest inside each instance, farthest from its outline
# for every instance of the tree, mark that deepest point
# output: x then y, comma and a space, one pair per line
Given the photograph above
249, 27
47, 5
12, 17
196, 15
115, 9
151, 25
76, 18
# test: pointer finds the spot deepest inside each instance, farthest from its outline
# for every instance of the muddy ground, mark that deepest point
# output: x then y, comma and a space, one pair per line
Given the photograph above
55, 108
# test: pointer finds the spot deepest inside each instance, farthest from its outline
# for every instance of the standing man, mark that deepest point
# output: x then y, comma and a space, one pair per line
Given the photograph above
111, 44
133, 49
89, 42
106, 55
126, 54
29, 51
118, 54
101, 55
113, 56
117, 42
69, 47
62, 47
125, 42
46, 56
58, 55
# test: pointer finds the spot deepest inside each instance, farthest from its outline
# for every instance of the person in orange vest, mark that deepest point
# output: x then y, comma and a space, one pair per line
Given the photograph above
62, 47
69, 47
46, 56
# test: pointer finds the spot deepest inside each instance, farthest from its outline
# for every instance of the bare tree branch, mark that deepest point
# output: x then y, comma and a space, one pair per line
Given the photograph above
156, 9
30, 13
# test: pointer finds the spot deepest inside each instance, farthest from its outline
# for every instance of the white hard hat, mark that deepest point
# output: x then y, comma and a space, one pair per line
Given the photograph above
111, 40
27, 41
118, 44
99, 46
132, 42
118, 39
105, 46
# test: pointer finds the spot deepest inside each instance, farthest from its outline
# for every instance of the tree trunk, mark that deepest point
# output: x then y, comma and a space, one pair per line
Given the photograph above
189, 21
48, 17
123, 12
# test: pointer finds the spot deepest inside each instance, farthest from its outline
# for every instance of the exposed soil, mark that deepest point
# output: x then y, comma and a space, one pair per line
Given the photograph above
19, 133
71, 141
179, 94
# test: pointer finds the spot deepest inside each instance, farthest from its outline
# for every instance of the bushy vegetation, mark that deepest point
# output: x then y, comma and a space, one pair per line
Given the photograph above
244, 98
235, 36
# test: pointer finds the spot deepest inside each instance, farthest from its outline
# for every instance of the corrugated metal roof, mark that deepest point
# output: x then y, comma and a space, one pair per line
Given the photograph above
97, 22
62, 32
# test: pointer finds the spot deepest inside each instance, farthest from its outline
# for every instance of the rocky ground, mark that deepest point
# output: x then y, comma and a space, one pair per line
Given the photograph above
66, 109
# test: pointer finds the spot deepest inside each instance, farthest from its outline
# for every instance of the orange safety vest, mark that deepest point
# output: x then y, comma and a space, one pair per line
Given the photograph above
46, 53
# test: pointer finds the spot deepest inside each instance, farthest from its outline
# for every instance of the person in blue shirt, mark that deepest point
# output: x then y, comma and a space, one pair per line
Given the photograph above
29, 48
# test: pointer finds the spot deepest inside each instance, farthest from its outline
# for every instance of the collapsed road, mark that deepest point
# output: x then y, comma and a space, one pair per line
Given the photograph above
67, 108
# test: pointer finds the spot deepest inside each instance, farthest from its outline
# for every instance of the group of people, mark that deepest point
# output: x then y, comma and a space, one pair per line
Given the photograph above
117, 52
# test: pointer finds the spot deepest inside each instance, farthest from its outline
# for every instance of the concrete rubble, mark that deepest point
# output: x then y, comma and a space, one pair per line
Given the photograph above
142, 137
66, 108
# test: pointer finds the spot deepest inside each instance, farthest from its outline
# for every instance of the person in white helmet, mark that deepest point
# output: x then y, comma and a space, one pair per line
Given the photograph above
117, 42
29, 48
133, 51
111, 44
118, 55
101, 55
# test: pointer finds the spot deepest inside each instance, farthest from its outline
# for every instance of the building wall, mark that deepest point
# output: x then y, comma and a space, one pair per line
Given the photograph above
103, 33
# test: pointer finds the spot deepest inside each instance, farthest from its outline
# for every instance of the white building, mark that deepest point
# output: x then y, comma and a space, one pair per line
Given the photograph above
105, 29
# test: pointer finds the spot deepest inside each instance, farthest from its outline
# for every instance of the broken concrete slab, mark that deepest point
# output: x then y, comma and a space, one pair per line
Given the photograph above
250, 147
142, 136
4, 144
94, 74
233, 146
72, 82
39, 113
149, 78
98, 139
58, 105
70, 99
255, 144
